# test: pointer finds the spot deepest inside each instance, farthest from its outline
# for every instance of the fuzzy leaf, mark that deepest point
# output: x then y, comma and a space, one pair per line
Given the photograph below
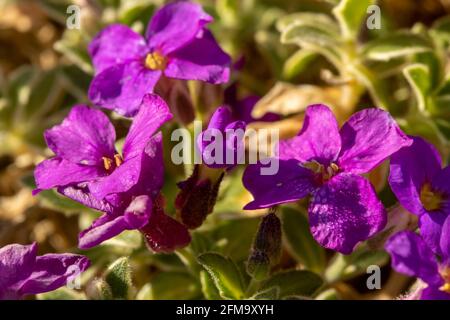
396, 45
418, 76
350, 14
225, 274
173, 286
298, 63
118, 276
319, 20
208, 287
294, 282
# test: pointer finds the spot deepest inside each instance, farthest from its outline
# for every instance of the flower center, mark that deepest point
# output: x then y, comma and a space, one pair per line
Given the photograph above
324, 173
446, 275
430, 199
108, 163
155, 61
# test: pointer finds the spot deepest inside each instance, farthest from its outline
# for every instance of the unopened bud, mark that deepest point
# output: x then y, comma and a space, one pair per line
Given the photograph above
266, 249
198, 195
99, 289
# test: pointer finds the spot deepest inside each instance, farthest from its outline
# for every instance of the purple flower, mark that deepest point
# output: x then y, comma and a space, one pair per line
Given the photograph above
221, 144
176, 44
24, 273
327, 162
139, 208
422, 187
412, 256
85, 155
242, 108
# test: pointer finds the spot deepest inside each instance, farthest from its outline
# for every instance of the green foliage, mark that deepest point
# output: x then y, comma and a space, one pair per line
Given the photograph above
118, 277
225, 274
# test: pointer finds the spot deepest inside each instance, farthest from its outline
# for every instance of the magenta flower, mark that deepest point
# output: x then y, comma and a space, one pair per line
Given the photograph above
176, 45
222, 144
327, 162
412, 256
422, 187
138, 206
24, 273
85, 153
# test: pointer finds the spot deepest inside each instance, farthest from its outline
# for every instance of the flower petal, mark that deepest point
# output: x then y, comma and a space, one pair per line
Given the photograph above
84, 137
432, 293
222, 143
175, 25
153, 113
345, 211
290, 183
16, 263
53, 271
122, 87
202, 59
431, 225
122, 179
106, 227
56, 172
410, 255
165, 234
116, 44
445, 241
82, 195
368, 138
412, 167
151, 177
311, 143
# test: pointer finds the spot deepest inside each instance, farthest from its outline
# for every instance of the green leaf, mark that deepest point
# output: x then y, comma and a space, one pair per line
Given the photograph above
294, 282
396, 45
173, 286
298, 63
418, 76
99, 290
350, 14
267, 294
319, 20
208, 287
299, 240
225, 274
346, 267
315, 39
118, 276
61, 294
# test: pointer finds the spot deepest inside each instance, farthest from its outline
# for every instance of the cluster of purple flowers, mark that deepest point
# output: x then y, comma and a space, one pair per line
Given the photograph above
87, 167
322, 161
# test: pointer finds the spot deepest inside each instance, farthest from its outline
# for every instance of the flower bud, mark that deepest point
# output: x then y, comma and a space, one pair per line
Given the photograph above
198, 195
266, 249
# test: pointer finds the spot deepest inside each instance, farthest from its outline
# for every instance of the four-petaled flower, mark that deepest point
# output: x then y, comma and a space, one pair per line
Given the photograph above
176, 44
23, 273
412, 256
327, 162
85, 153
422, 187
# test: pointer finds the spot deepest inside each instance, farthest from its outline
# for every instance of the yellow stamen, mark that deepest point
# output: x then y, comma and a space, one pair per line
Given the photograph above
314, 166
326, 173
107, 163
445, 287
155, 61
430, 199
118, 159
446, 275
